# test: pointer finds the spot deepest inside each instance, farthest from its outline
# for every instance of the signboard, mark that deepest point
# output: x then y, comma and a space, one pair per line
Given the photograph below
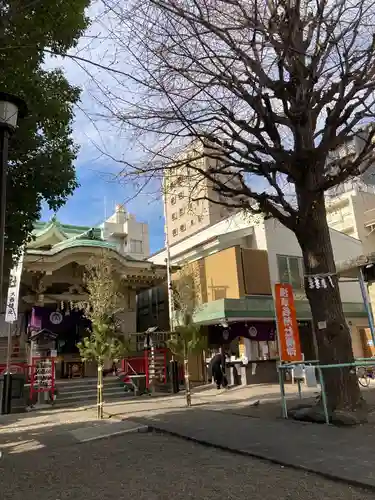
11, 312
290, 347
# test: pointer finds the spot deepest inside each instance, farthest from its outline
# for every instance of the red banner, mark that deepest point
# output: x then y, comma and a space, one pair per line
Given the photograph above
287, 326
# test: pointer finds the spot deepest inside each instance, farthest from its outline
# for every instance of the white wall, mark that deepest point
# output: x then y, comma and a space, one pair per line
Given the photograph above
226, 233
137, 231
121, 228
278, 240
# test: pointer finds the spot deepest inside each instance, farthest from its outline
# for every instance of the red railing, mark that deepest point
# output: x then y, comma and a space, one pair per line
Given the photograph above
140, 364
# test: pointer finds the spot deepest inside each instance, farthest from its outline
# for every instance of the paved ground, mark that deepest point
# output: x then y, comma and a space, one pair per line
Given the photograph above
218, 418
153, 467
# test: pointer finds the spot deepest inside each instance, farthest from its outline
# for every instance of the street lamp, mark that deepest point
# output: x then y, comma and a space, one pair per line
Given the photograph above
11, 107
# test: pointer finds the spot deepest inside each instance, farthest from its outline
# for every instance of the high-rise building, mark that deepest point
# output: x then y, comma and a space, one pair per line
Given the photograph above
351, 206
191, 202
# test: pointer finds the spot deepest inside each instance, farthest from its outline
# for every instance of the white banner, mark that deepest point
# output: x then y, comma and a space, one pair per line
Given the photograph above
11, 311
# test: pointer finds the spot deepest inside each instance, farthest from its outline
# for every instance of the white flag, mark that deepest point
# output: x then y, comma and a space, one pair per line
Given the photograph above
11, 311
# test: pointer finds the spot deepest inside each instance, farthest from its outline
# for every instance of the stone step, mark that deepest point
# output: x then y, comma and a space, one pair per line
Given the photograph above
83, 384
109, 393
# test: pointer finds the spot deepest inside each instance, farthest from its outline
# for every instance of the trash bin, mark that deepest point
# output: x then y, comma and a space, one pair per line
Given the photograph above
17, 401
139, 382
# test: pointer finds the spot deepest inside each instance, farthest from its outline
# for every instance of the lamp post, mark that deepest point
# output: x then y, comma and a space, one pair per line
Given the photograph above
10, 108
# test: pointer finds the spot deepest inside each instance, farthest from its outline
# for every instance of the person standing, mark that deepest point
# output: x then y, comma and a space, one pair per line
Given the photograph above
217, 369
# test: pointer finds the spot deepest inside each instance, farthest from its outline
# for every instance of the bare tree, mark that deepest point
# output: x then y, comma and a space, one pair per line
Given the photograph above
187, 338
271, 90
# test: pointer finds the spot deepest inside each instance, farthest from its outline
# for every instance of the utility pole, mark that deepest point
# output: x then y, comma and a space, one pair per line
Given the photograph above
168, 263
173, 362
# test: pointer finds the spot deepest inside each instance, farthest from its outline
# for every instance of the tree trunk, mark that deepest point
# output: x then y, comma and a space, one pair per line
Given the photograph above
332, 332
100, 390
187, 376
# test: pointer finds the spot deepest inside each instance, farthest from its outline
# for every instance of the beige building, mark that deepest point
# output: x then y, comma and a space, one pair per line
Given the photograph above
189, 198
352, 211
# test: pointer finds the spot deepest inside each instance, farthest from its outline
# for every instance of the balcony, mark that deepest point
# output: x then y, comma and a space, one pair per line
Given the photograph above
369, 219
344, 224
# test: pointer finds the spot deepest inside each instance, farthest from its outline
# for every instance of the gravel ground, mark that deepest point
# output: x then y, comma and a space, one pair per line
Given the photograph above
152, 466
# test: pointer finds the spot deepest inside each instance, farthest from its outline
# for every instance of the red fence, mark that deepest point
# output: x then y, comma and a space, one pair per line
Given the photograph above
42, 376
140, 365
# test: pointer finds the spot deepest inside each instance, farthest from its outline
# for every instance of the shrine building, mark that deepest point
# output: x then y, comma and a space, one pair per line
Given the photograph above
51, 285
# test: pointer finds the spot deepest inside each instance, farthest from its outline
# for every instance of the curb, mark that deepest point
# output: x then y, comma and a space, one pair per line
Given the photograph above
135, 430
265, 458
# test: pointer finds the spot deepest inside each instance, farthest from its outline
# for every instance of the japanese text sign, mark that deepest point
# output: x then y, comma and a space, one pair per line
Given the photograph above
287, 327
11, 311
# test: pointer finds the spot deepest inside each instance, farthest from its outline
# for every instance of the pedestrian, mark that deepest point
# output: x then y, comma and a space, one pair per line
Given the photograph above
217, 369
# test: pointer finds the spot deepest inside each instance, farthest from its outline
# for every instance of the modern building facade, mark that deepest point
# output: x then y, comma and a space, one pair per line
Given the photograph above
189, 197
239, 260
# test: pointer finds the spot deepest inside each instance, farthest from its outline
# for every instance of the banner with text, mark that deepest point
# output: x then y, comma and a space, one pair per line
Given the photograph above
11, 311
287, 327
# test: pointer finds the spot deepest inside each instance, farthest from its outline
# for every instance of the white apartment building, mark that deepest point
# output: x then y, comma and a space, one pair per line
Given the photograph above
351, 205
353, 212
130, 236
187, 209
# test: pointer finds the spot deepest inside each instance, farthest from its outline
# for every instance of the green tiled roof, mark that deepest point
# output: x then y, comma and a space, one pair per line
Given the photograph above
73, 236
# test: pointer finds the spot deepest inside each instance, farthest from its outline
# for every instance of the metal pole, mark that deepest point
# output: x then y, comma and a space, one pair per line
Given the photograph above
173, 363
367, 304
7, 389
4, 135
280, 371
169, 274
9, 347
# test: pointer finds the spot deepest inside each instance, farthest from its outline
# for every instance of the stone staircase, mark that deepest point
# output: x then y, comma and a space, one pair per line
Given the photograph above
83, 391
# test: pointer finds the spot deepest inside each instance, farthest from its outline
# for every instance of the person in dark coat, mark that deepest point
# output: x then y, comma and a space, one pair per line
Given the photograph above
217, 369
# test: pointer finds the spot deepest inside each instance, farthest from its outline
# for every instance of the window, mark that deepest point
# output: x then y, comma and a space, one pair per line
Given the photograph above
290, 270
183, 227
136, 246
174, 216
173, 200
182, 211
175, 232
200, 218
180, 195
192, 222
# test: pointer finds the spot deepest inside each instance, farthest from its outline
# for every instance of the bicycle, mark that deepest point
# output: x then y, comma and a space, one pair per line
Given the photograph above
365, 374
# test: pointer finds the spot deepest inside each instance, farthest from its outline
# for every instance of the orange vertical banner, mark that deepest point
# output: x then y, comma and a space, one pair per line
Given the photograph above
287, 326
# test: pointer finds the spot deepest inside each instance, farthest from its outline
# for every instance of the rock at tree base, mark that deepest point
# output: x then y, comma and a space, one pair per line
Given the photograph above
308, 414
316, 415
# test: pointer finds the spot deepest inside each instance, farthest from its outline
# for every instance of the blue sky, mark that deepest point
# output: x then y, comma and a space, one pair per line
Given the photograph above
101, 144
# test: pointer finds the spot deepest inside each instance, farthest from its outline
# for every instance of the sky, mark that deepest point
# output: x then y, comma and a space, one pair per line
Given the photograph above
102, 146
